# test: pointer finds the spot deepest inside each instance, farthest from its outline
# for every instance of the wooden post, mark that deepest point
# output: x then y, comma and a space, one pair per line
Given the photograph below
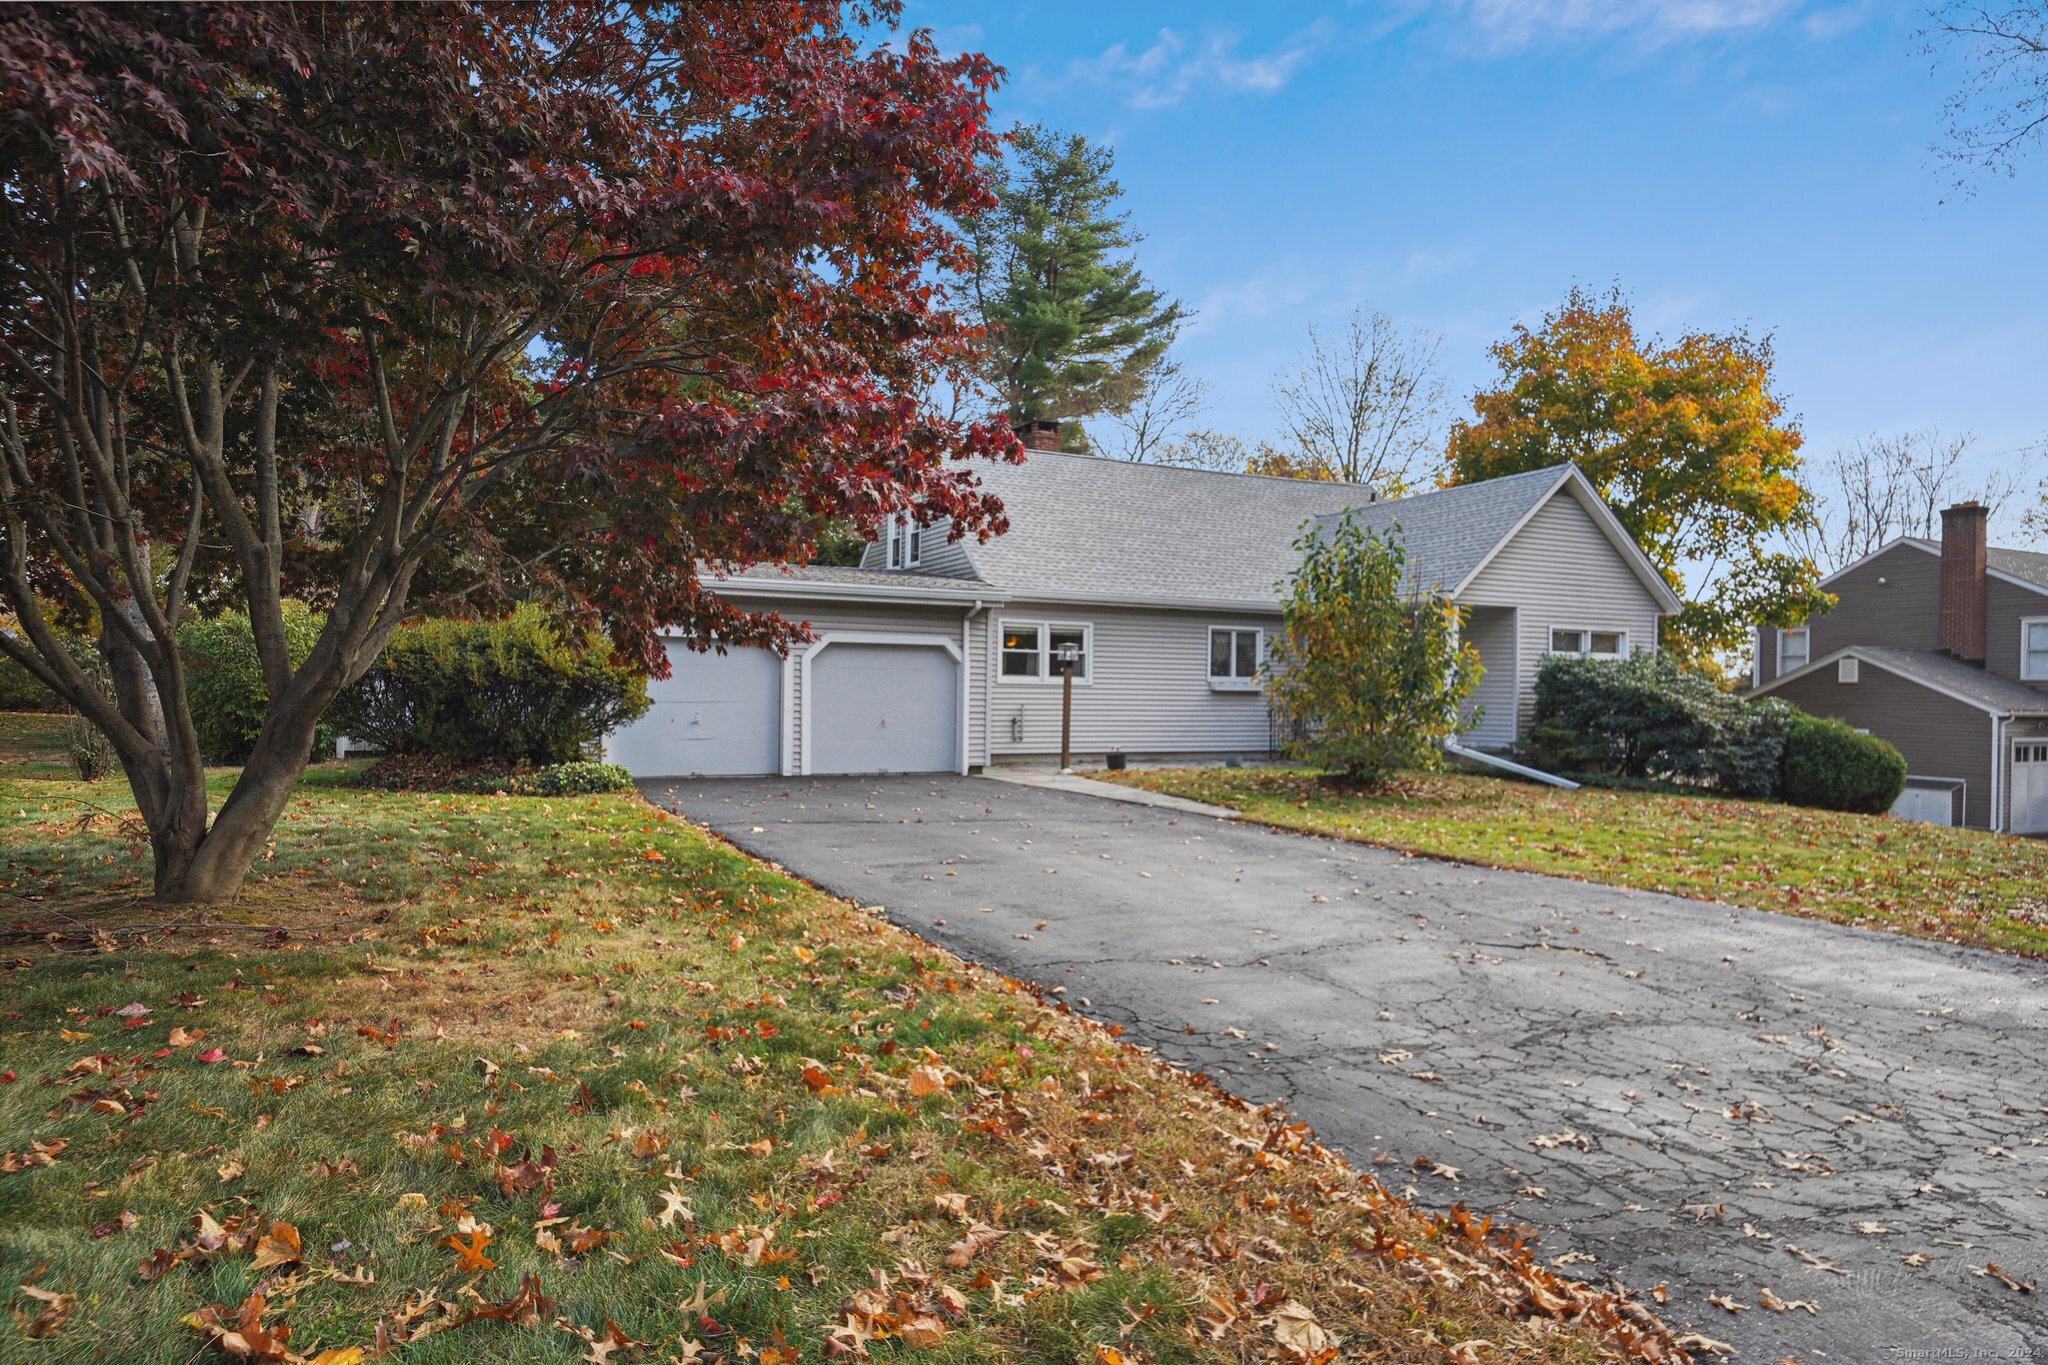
1067, 718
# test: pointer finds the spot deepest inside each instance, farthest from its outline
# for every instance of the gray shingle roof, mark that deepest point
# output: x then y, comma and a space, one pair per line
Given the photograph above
1085, 528
1449, 532
2030, 565
1949, 674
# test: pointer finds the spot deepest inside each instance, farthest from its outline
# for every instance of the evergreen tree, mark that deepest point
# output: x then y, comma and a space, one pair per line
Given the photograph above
1073, 325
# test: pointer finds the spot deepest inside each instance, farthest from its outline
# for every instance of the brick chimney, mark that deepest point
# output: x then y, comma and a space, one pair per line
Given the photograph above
1039, 435
1963, 553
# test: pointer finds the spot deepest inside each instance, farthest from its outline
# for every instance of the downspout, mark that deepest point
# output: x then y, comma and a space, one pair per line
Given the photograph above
1997, 775
1458, 750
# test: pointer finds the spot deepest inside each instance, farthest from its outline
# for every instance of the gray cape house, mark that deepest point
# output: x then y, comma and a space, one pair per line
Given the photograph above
933, 656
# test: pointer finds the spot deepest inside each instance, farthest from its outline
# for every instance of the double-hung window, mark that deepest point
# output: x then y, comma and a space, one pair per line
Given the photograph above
1234, 658
2034, 648
904, 539
1597, 644
1795, 649
1031, 650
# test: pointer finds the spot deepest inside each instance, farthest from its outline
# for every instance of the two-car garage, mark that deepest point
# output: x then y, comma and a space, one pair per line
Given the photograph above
847, 702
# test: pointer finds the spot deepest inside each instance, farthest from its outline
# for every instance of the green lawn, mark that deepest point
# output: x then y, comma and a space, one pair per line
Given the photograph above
1958, 886
517, 1079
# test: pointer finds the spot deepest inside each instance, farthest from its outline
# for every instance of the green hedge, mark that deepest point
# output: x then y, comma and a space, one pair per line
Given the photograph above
558, 779
1646, 718
521, 690
224, 680
1831, 766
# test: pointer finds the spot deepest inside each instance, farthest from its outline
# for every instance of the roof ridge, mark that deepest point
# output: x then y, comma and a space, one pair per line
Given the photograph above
1031, 455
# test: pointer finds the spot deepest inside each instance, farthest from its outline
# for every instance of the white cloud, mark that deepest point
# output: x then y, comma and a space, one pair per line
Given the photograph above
1518, 23
1177, 64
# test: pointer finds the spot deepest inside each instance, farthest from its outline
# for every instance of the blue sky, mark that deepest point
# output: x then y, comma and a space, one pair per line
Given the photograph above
1460, 164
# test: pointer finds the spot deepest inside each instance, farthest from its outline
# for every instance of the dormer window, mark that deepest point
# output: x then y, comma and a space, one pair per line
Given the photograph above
904, 539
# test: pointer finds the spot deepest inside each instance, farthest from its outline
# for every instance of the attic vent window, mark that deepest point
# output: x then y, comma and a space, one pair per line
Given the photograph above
1848, 670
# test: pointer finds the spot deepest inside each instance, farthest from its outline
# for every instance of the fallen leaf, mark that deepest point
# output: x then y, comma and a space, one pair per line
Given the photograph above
55, 1308
1778, 1305
469, 1257
1724, 1302
279, 1246
1295, 1327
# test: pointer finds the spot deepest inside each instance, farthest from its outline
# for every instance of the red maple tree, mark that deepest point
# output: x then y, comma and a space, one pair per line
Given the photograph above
399, 307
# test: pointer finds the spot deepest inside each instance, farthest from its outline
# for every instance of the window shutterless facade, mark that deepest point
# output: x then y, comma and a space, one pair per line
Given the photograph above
905, 542
1234, 658
1598, 644
1030, 650
2034, 648
1795, 648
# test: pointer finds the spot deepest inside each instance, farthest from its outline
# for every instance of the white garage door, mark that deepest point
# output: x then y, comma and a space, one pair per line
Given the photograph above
715, 714
1933, 805
876, 708
2030, 788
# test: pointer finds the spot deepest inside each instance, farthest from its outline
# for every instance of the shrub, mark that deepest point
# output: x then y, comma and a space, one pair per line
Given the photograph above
1366, 674
225, 679
521, 690
569, 779
21, 691
1829, 765
1648, 718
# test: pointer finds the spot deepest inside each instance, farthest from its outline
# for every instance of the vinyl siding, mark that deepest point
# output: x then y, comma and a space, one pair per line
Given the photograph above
1561, 571
1148, 692
1492, 631
941, 557
1904, 612
1940, 736
2006, 605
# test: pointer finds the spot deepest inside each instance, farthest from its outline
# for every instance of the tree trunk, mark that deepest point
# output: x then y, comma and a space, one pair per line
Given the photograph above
210, 869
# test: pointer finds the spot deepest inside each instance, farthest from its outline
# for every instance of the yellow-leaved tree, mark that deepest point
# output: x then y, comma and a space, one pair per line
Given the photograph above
1686, 440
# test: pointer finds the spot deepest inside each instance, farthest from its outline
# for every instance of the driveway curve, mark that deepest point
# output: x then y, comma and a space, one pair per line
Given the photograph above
1669, 1091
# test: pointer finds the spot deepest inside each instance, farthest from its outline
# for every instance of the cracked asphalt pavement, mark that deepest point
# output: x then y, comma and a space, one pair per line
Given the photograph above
1668, 1091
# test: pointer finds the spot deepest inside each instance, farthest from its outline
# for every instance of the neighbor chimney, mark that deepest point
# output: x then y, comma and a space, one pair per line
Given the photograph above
1963, 553
1039, 435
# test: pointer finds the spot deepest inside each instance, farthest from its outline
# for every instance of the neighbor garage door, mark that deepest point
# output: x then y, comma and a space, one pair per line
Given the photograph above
715, 714
883, 708
2030, 788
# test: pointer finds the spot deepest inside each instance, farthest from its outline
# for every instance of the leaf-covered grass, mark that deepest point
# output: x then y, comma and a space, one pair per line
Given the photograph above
520, 1079
1953, 885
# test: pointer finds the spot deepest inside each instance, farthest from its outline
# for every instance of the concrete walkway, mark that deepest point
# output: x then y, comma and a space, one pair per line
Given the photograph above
1667, 1090
1105, 791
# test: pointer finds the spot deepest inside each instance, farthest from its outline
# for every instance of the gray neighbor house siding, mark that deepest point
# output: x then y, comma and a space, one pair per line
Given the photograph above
1939, 736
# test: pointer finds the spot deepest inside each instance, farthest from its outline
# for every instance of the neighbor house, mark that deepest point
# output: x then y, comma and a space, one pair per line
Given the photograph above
1940, 647
937, 656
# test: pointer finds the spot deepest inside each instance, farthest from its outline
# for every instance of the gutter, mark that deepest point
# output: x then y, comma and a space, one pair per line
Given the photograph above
1457, 750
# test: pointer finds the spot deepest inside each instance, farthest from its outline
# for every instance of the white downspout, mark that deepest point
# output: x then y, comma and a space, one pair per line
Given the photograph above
1998, 821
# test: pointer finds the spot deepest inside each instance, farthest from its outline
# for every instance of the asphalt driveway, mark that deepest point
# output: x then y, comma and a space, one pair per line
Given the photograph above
1669, 1091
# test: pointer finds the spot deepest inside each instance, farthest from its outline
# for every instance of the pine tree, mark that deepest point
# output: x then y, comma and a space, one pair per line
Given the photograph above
1072, 323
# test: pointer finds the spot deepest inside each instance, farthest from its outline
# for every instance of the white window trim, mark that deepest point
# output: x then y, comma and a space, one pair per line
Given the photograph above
2040, 675
1786, 632
1046, 672
902, 531
1227, 682
1550, 639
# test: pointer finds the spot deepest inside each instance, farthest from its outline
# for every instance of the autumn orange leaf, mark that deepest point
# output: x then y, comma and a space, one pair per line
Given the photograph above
469, 1257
